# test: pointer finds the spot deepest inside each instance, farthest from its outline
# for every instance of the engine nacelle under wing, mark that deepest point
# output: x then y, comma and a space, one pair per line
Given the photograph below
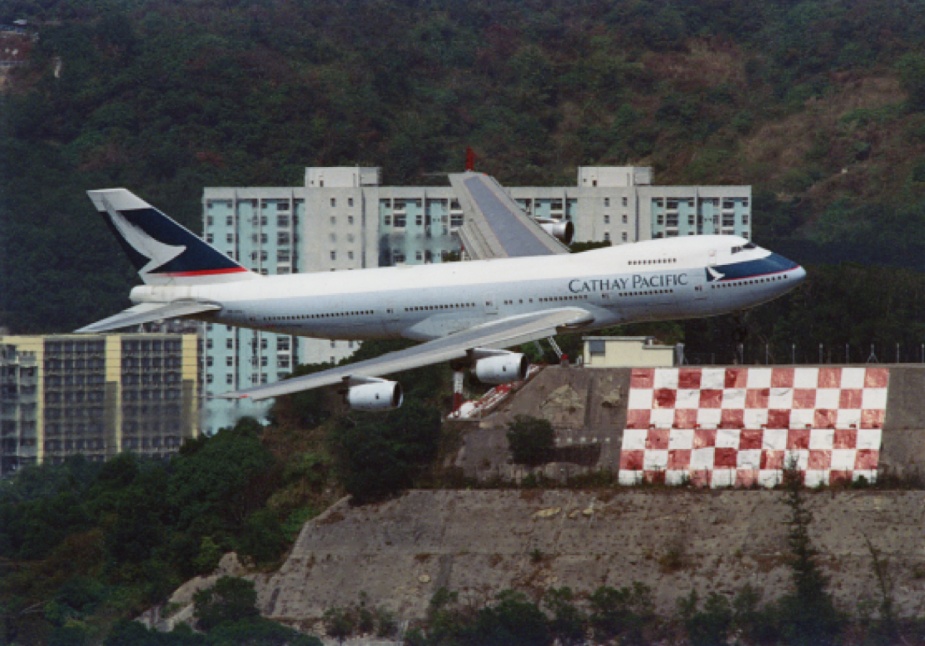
375, 396
502, 368
562, 230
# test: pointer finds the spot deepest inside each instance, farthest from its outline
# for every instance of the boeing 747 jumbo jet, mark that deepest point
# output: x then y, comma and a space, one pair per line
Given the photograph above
465, 312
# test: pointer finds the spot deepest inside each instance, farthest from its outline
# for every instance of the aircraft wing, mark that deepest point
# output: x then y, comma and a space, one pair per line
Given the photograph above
495, 225
147, 313
496, 334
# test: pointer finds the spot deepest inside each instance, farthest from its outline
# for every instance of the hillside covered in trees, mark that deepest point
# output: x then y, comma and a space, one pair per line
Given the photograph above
819, 105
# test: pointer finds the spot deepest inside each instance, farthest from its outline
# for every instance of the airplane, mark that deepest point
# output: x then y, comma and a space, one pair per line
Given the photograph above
466, 313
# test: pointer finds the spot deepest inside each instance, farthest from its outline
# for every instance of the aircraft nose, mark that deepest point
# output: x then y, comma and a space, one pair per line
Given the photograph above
798, 274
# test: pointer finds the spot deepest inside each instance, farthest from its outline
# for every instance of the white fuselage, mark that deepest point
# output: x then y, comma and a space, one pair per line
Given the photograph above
660, 279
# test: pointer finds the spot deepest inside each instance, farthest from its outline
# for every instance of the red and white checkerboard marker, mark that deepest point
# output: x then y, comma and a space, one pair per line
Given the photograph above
723, 427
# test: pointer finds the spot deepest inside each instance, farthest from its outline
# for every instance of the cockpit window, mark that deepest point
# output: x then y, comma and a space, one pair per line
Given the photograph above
745, 247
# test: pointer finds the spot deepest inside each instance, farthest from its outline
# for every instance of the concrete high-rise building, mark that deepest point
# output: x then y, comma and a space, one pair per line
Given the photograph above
341, 218
97, 395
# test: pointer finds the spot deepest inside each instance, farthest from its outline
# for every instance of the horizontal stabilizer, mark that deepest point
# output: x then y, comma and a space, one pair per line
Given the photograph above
148, 313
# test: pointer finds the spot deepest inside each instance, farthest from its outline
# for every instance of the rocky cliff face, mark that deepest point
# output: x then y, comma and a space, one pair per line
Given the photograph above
481, 542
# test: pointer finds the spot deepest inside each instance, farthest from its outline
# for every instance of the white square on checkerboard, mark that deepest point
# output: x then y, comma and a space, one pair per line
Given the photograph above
802, 417
853, 377
758, 378
843, 459
869, 438
713, 379
662, 417
774, 439
639, 399
665, 378
629, 478
768, 477
703, 458
796, 459
780, 398
723, 478
709, 417
827, 398
727, 438
873, 399
749, 459
755, 417
816, 477
677, 477
821, 438
687, 398
634, 439
733, 398
847, 417
806, 377
681, 438
655, 460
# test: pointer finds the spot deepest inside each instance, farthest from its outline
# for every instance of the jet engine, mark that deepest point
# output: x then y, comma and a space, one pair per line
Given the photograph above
379, 395
502, 368
562, 230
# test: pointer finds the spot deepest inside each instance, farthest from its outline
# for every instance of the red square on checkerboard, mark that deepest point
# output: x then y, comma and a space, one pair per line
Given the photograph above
736, 377
711, 398
872, 418
704, 437
747, 477
700, 478
866, 459
798, 438
839, 477
876, 377
782, 378
689, 378
750, 439
757, 397
732, 418
845, 438
638, 418
657, 438
642, 378
824, 418
804, 398
725, 458
685, 417
772, 459
679, 459
778, 418
632, 460
850, 398
655, 477
664, 398
819, 459
829, 378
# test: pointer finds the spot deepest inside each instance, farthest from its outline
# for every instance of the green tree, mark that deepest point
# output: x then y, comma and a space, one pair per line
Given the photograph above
531, 440
512, 619
231, 599
807, 613
622, 613
379, 455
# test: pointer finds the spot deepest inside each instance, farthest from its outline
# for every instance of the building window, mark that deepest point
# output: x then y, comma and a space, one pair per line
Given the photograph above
333, 255
349, 201
623, 236
333, 201
625, 201
623, 218
606, 219
606, 201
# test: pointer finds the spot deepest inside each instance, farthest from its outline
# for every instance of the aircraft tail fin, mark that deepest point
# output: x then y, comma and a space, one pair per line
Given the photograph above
163, 251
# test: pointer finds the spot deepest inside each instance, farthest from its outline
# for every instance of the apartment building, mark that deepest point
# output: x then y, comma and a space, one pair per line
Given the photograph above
342, 218
97, 395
